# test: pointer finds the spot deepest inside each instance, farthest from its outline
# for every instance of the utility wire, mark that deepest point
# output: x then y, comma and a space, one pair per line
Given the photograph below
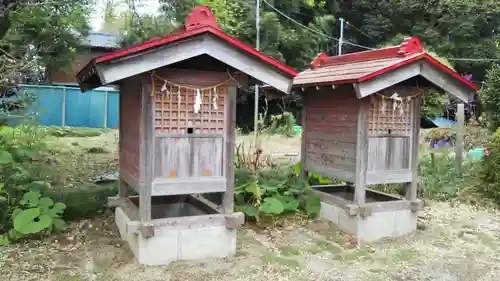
359, 30
471, 59
313, 30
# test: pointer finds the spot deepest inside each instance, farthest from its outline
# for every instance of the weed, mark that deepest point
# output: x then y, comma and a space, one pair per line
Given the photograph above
270, 258
97, 150
288, 251
329, 247
404, 255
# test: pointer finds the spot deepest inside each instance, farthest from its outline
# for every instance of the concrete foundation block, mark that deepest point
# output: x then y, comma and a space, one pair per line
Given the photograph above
373, 227
172, 244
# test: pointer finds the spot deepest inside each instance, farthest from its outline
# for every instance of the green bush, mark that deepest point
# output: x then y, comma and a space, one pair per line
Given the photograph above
439, 179
490, 99
489, 173
24, 211
282, 124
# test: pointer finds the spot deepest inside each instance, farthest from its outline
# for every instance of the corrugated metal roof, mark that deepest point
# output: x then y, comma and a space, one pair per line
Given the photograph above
102, 40
346, 71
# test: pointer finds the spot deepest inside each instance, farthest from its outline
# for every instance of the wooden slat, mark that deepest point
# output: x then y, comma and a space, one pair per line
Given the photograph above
386, 177
188, 185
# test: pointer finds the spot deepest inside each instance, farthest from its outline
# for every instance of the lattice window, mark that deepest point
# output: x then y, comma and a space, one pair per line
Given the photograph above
175, 113
385, 119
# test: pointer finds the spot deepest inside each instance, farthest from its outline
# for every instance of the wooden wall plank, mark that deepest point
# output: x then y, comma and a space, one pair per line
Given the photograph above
330, 132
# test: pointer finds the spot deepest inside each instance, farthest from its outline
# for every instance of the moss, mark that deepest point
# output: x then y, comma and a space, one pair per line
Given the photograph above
289, 251
290, 263
329, 247
488, 240
361, 254
83, 201
404, 255
97, 150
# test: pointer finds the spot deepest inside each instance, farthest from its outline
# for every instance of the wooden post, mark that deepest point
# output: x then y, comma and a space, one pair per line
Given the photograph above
412, 188
303, 141
361, 154
228, 198
459, 146
63, 121
146, 153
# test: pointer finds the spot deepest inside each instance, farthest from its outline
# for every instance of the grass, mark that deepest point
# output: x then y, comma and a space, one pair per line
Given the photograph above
404, 255
97, 150
289, 251
274, 259
73, 131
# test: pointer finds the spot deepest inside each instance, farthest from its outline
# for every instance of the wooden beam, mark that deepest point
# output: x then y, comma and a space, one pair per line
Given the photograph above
153, 59
389, 176
203, 221
447, 83
411, 190
330, 172
191, 185
361, 153
459, 146
303, 143
229, 150
244, 63
386, 80
146, 152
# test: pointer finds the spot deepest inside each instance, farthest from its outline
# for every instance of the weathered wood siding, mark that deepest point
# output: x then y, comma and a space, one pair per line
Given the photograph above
331, 129
391, 132
130, 112
182, 157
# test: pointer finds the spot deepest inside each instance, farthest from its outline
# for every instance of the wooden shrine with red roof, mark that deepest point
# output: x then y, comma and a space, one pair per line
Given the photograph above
177, 136
361, 122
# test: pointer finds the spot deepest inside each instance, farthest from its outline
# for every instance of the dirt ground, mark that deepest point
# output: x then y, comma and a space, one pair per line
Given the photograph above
453, 243
458, 243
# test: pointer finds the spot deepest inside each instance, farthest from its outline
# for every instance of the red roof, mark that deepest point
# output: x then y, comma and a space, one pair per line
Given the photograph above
362, 66
201, 20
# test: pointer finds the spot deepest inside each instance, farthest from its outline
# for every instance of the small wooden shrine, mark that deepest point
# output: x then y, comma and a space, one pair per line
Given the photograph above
177, 135
361, 125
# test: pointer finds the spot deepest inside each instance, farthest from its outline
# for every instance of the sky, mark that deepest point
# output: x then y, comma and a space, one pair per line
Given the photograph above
142, 6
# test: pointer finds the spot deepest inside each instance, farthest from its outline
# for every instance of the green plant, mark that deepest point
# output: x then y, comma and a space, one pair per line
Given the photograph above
439, 178
273, 191
282, 124
37, 214
489, 185
24, 211
72, 131
97, 150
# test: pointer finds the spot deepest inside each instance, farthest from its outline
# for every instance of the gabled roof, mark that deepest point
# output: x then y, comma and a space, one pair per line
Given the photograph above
199, 23
363, 66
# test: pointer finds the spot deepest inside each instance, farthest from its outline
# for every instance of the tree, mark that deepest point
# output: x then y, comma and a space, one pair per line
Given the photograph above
490, 98
38, 36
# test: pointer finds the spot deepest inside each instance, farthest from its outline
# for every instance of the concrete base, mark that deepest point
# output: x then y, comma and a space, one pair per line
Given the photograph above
177, 242
373, 227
